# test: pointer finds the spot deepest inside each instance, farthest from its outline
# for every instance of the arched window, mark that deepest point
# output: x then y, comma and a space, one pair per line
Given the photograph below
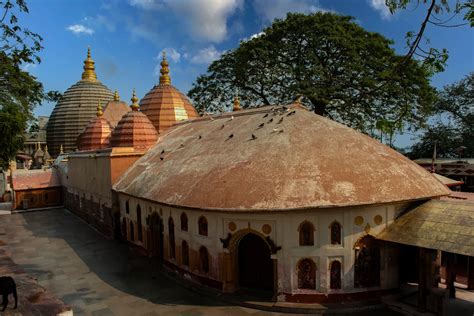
306, 230
335, 277
139, 223
367, 263
132, 231
335, 233
184, 222
306, 274
124, 229
185, 253
171, 238
202, 226
204, 259
127, 207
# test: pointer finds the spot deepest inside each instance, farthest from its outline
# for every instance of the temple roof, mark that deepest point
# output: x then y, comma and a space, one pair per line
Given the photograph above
115, 110
97, 133
273, 158
436, 224
164, 104
76, 109
134, 130
35, 179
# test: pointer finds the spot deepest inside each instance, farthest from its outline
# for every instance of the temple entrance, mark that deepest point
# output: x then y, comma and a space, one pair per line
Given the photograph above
367, 263
255, 266
156, 236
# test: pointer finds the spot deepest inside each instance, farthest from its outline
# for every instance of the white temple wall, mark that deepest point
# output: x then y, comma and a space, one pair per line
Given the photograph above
284, 233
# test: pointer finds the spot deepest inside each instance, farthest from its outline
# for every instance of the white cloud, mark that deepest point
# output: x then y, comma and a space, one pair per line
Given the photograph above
80, 29
172, 54
206, 19
146, 4
272, 9
205, 55
379, 5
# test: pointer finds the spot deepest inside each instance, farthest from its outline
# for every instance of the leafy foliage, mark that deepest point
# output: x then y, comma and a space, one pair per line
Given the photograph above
433, 58
20, 92
342, 71
453, 130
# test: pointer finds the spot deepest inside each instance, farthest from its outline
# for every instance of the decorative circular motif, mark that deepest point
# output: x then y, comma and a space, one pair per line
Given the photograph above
232, 226
378, 219
266, 229
359, 220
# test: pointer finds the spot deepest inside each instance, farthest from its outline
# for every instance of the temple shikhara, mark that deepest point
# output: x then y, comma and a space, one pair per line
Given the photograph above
275, 199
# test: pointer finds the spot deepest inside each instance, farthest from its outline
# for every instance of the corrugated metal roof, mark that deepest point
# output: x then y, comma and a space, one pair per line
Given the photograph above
436, 224
273, 158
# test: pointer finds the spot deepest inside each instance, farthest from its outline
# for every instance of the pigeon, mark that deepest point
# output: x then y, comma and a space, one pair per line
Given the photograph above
200, 137
280, 120
181, 146
275, 130
271, 120
265, 115
231, 135
261, 125
292, 113
254, 137
231, 118
222, 126
161, 158
163, 151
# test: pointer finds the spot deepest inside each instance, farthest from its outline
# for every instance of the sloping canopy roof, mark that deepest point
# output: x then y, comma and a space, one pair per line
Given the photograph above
436, 224
296, 159
35, 179
447, 181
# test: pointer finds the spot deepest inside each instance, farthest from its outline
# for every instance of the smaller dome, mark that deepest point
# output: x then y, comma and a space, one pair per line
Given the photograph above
134, 129
164, 104
97, 134
115, 110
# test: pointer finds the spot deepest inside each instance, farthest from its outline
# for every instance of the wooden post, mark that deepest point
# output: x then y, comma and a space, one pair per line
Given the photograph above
470, 273
422, 289
451, 275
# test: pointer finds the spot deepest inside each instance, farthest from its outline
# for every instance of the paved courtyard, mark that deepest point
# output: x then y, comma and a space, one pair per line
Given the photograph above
97, 276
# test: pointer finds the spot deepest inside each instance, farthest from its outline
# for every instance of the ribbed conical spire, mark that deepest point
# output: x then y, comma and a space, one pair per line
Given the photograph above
165, 71
236, 104
89, 68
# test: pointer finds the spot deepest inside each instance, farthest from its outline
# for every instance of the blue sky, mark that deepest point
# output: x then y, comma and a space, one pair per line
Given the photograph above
127, 36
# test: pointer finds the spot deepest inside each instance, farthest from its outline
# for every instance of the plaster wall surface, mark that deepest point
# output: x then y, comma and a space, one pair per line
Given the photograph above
356, 222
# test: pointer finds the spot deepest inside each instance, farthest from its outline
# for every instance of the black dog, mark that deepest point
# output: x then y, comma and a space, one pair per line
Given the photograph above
7, 286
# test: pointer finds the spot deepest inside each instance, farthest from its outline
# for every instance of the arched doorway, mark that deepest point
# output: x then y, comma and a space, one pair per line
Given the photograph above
367, 262
156, 236
255, 266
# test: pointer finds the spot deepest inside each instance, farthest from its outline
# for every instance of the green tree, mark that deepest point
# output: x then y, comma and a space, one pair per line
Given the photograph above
436, 15
453, 127
20, 92
341, 70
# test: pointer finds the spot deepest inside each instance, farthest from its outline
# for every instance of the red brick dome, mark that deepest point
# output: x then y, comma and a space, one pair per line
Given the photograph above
165, 105
96, 135
134, 130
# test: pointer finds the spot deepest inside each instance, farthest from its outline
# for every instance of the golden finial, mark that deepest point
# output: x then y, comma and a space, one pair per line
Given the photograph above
89, 68
61, 150
236, 103
116, 96
99, 110
165, 71
134, 100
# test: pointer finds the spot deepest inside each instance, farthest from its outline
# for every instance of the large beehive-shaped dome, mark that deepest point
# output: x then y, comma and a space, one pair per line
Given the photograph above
97, 133
272, 159
134, 130
164, 104
76, 109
